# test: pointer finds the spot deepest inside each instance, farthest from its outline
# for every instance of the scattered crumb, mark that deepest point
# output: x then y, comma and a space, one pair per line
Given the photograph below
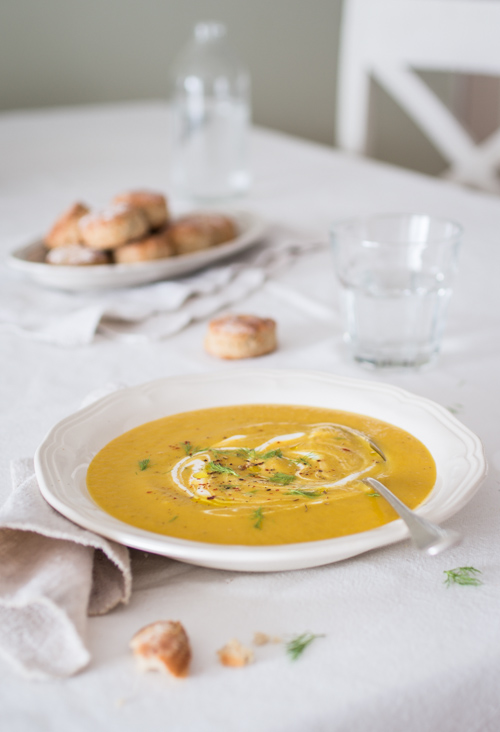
162, 646
234, 654
262, 639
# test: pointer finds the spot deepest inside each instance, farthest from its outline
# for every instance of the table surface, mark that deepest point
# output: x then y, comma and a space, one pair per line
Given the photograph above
400, 650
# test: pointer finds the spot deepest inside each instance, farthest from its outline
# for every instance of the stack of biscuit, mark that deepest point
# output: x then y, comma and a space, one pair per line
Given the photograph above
135, 227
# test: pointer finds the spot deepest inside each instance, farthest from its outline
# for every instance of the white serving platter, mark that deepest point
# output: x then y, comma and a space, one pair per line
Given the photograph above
62, 459
29, 260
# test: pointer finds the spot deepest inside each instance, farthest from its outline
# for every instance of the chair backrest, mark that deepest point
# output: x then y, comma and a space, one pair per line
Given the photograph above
388, 40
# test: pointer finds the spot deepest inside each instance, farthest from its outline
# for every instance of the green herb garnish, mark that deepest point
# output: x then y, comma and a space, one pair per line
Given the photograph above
301, 492
246, 452
300, 461
373, 495
190, 449
217, 468
281, 478
297, 645
218, 453
270, 454
143, 464
172, 519
258, 517
462, 576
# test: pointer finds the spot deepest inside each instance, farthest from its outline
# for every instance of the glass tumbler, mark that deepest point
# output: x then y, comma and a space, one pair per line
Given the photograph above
395, 274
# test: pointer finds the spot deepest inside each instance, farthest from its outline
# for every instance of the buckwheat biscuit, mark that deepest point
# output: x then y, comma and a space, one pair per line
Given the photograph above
154, 205
197, 231
154, 246
76, 254
113, 227
66, 230
240, 336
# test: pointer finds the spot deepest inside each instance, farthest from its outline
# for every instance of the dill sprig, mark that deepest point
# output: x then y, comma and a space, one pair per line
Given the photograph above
297, 646
303, 492
270, 454
218, 468
191, 449
300, 461
218, 452
143, 464
258, 517
246, 452
462, 576
281, 478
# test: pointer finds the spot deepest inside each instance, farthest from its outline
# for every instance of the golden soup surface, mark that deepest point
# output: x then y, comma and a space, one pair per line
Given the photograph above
259, 474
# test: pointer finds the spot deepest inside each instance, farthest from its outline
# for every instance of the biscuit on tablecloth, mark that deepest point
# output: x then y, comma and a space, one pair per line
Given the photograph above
240, 336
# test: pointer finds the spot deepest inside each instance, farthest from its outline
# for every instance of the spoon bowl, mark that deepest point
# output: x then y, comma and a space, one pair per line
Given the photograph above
426, 536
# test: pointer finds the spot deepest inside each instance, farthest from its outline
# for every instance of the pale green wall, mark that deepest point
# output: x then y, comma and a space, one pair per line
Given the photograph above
65, 52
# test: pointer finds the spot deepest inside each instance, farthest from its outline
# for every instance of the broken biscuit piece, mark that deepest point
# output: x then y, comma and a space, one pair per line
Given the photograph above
162, 646
234, 654
262, 639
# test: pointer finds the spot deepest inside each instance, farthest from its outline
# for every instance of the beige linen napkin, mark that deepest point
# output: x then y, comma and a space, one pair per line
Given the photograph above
52, 575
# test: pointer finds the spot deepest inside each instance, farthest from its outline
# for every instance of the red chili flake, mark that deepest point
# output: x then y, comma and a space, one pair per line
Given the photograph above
210, 498
346, 449
149, 491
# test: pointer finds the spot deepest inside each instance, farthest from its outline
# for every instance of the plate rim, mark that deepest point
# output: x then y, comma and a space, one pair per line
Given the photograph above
60, 276
260, 558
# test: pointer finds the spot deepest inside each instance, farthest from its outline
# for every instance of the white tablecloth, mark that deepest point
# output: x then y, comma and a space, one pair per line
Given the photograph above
400, 650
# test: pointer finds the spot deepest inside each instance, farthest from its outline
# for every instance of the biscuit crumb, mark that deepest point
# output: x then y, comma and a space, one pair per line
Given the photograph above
262, 639
162, 646
234, 654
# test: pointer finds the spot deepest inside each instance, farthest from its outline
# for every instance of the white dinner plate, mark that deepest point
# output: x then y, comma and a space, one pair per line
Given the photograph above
29, 260
62, 459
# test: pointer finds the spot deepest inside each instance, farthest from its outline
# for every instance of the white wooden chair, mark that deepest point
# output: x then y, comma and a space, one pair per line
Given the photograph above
388, 40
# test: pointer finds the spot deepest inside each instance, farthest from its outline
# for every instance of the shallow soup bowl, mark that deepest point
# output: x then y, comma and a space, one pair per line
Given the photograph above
62, 459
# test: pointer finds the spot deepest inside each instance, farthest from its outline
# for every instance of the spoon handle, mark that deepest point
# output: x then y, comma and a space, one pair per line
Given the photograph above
426, 536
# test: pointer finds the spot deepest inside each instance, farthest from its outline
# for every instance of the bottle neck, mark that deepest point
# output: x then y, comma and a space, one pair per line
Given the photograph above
209, 31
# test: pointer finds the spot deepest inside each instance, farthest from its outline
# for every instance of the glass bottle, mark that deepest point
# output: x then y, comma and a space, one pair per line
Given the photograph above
210, 118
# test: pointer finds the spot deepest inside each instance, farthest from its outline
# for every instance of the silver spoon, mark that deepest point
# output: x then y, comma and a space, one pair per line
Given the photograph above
426, 536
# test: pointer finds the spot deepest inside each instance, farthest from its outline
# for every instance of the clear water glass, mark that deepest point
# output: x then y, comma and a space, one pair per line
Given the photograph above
396, 275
